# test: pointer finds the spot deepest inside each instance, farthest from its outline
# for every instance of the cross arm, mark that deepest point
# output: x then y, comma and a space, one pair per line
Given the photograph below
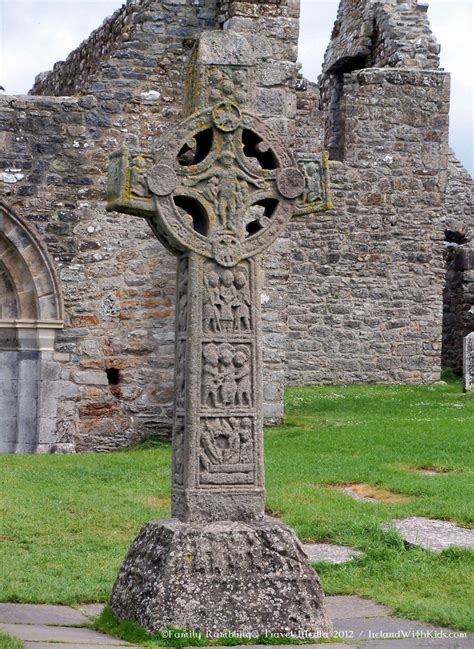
127, 187
317, 193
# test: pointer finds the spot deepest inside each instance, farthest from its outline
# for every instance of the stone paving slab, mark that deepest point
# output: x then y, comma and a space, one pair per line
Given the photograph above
92, 610
431, 534
415, 643
360, 628
351, 606
41, 614
330, 553
360, 621
40, 633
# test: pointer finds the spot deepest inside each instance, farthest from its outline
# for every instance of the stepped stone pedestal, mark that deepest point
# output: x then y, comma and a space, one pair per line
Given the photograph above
220, 191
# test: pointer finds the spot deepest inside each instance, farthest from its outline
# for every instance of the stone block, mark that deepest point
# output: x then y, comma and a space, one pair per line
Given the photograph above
50, 371
219, 577
468, 362
47, 430
89, 377
8, 426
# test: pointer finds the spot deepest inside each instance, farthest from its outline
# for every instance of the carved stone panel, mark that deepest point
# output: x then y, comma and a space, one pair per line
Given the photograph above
317, 193
227, 299
468, 362
178, 451
226, 451
182, 296
227, 376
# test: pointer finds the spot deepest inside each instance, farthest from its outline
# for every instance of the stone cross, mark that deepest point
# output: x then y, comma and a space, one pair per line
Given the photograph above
220, 190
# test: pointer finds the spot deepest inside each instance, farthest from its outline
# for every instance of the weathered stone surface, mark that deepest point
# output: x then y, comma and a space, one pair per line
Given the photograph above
468, 362
92, 610
430, 534
41, 614
354, 295
223, 193
352, 606
330, 553
252, 576
41, 633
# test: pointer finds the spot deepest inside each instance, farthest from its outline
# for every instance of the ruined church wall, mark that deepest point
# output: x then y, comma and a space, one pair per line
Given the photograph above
353, 294
383, 34
117, 280
458, 299
367, 277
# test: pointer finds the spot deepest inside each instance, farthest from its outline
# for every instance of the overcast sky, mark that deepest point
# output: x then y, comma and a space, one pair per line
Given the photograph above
37, 33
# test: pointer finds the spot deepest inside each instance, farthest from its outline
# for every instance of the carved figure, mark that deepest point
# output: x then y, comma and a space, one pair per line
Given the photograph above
242, 377
313, 182
210, 377
228, 300
231, 454
228, 387
227, 182
139, 183
209, 452
242, 308
211, 315
246, 441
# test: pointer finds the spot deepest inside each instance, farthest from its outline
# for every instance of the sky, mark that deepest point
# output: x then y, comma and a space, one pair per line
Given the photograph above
34, 34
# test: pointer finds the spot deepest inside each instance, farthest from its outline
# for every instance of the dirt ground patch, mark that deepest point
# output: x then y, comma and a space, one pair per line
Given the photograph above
373, 494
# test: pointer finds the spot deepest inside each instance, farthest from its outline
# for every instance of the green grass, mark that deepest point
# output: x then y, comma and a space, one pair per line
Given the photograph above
7, 642
67, 521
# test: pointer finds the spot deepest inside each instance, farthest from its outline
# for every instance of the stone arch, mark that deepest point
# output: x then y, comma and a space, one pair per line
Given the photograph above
26, 264
31, 310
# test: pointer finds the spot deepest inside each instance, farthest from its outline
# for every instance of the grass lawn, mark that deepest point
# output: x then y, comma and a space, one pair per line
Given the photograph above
67, 521
6, 642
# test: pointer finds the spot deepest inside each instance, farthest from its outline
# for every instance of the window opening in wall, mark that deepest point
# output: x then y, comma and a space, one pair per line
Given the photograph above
457, 237
113, 375
334, 135
455, 305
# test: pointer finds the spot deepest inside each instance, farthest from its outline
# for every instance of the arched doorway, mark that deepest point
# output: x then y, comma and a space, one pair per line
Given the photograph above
30, 312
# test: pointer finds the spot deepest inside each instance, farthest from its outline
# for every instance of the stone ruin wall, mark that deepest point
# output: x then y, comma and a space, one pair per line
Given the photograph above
117, 280
458, 307
374, 272
366, 319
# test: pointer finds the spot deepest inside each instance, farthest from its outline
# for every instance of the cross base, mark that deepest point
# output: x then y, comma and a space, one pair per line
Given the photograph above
220, 578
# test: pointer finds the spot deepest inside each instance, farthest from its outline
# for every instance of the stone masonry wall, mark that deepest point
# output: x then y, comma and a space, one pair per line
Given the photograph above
118, 281
458, 295
458, 307
369, 308
353, 294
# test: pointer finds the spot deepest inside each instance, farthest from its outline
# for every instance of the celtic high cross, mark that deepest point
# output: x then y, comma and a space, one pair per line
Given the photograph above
220, 190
